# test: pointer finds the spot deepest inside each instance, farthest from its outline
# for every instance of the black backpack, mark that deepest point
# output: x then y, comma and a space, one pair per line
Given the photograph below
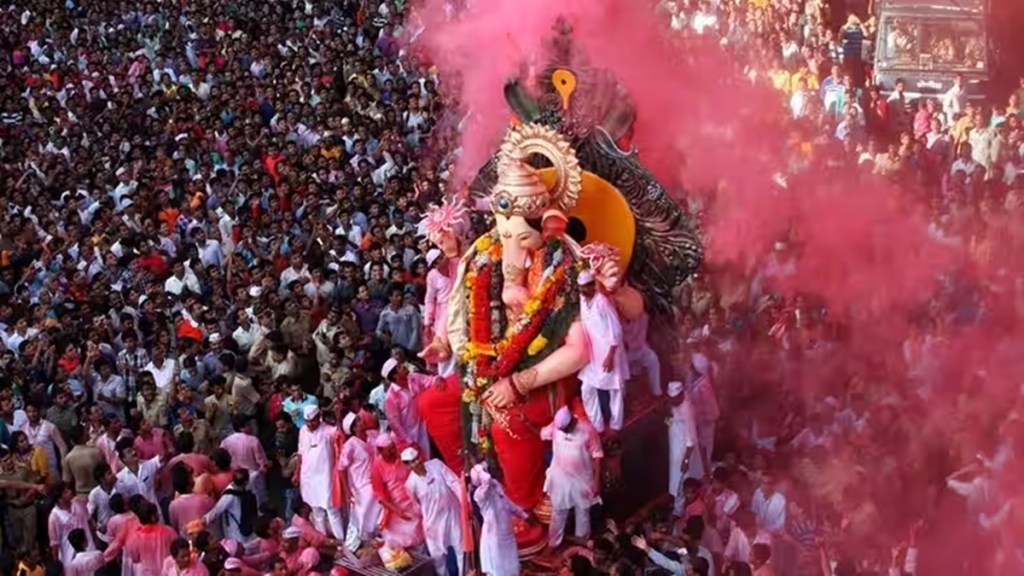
250, 509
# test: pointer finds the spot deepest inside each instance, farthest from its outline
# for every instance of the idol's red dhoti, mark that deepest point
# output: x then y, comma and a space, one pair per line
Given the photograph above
521, 451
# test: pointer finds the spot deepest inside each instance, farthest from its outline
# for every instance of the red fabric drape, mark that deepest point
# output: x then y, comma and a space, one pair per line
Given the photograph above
441, 410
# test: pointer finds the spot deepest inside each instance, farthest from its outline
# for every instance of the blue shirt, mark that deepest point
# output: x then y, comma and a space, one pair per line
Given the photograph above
296, 409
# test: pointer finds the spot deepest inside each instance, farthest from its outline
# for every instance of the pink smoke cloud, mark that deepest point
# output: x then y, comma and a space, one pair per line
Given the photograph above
864, 246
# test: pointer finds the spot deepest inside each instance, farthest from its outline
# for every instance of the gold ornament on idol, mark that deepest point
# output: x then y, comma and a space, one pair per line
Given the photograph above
519, 190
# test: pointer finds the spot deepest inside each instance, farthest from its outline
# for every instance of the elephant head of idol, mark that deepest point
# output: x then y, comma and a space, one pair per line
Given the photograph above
521, 197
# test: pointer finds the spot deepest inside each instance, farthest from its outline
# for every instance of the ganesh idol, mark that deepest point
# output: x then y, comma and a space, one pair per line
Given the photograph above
565, 198
513, 323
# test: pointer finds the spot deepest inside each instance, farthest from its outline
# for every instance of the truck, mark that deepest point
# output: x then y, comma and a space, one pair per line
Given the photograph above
928, 43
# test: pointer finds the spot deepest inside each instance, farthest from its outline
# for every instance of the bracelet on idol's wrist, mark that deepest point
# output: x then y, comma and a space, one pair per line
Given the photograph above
517, 387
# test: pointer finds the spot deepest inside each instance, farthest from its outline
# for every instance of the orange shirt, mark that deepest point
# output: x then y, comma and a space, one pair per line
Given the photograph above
169, 216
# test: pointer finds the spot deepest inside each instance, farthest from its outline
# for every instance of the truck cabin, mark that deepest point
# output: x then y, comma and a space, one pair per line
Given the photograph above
927, 43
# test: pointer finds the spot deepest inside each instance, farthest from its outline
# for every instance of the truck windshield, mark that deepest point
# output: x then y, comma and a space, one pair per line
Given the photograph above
931, 44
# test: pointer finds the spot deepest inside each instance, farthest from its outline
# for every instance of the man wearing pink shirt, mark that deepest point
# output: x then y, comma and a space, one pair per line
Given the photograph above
187, 506
151, 441
247, 452
293, 553
148, 546
403, 415
198, 464
312, 536
121, 524
181, 563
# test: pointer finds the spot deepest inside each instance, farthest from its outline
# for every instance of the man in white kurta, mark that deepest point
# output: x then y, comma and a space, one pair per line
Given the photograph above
356, 462
439, 493
573, 477
639, 353
682, 444
499, 555
318, 473
701, 392
608, 368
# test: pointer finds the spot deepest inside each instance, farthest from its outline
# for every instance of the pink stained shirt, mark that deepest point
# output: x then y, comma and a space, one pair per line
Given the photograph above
148, 546
152, 446
61, 522
301, 560
87, 563
188, 508
214, 483
119, 527
694, 509
170, 568
309, 533
388, 480
246, 451
106, 447
439, 288
199, 464
404, 415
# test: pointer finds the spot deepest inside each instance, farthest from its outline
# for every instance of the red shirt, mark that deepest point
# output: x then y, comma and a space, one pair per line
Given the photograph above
155, 264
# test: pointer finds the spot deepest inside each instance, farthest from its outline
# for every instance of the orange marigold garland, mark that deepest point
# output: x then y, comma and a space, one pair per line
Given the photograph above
493, 352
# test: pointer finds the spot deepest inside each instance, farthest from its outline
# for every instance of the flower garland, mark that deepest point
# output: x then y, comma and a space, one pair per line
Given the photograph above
492, 353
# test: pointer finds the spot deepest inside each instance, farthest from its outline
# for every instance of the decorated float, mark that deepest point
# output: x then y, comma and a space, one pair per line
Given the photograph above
565, 197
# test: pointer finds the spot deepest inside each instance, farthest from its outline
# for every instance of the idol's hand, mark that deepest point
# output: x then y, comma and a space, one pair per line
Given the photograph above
609, 274
437, 352
500, 394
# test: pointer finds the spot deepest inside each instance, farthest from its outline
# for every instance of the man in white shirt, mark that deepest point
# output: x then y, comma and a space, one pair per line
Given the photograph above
234, 503
573, 478
296, 271
608, 368
316, 473
163, 369
210, 251
125, 186
439, 493
725, 502
98, 503
954, 101
181, 278
137, 476
86, 560
110, 390
769, 506
965, 163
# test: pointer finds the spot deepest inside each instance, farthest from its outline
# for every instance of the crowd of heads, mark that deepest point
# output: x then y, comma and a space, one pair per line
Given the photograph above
193, 190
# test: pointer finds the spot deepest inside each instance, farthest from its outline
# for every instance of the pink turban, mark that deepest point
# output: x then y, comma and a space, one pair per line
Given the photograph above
563, 417
383, 440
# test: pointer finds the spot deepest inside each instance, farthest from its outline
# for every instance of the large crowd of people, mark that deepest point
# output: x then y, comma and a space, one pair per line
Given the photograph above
211, 264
